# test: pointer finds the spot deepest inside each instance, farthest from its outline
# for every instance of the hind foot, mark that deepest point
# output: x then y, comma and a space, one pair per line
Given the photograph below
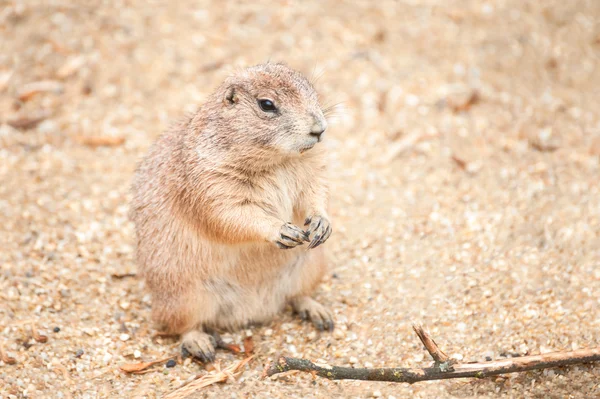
307, 308
200, 345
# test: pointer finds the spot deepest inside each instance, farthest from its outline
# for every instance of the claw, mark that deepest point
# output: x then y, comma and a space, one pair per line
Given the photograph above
319, 325
200, 345
317, 225
185, 353
282, 246
308, 308
320, 227
210, 357
327, 233
304, 315
328, 325
315, 242
291, 236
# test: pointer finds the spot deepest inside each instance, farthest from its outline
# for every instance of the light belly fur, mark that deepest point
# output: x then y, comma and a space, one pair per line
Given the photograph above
255, 285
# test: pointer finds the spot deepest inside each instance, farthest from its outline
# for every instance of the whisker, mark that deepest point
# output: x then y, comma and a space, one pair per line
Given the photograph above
315, 76
333, 107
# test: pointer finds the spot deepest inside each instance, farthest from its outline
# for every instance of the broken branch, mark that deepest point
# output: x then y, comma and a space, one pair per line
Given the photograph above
442, 370
436, 353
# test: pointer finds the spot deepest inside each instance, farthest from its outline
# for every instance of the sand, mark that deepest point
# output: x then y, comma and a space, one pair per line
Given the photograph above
465, 181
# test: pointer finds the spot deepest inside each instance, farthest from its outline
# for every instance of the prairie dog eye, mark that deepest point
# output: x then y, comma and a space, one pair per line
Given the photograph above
267, 105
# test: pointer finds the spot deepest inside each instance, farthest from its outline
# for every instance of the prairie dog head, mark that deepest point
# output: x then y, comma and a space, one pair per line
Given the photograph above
272, 107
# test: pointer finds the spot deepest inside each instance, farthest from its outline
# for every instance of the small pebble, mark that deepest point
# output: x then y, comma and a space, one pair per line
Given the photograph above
79, 353
171, 363
124, 337
56, 329
353, 360
377, 394
489, 355
137, 354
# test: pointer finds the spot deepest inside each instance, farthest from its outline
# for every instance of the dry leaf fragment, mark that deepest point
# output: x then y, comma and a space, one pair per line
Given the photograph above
28, 122
70, 67
464, 103
4, 79
41, 338
460, 162
64, 371
123, 275
248, 345
138, 368
404, 144
234, 348
208, 366
544, 140
42, 86
99, 141
471, 167
4, 356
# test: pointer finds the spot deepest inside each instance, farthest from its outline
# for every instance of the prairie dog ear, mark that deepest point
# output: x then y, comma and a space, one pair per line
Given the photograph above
231, 95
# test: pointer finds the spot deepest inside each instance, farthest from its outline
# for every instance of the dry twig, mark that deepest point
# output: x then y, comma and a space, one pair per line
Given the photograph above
142, 368
43, 86
120, 276
442, 369
100, 141
436, 353
202, 381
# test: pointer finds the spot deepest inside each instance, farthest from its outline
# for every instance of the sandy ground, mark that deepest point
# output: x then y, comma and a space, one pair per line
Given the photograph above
465, 176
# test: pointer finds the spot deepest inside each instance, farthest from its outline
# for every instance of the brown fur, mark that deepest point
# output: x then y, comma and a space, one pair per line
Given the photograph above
212, 195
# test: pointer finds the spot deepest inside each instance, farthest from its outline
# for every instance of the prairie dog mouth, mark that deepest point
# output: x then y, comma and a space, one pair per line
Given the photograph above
308, 147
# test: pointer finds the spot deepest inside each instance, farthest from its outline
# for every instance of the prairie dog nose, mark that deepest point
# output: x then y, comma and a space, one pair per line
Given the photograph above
318, 127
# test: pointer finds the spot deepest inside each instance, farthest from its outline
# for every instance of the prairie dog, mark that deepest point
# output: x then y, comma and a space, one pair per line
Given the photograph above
230, 207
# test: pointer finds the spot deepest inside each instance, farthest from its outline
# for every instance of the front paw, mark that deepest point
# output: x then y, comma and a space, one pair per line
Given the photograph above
319, 229
290, 236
